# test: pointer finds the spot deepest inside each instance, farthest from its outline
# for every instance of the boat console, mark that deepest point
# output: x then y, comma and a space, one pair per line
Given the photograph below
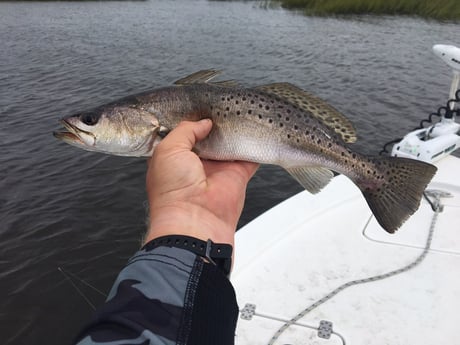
439, 140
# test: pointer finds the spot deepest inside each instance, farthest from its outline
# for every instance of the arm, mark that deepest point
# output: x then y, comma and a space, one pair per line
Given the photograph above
168, 295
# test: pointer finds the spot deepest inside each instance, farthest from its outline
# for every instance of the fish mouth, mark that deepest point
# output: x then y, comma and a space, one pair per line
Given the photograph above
72, 133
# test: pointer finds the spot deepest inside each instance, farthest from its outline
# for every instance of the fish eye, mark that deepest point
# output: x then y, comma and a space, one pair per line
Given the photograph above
89, 119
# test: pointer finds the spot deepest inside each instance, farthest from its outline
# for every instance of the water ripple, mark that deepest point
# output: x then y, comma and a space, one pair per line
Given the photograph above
62, 207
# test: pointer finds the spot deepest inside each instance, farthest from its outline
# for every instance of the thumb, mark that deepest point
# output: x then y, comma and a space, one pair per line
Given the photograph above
186, 135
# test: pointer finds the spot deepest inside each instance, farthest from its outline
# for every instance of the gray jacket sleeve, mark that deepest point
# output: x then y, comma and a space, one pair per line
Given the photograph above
166, 296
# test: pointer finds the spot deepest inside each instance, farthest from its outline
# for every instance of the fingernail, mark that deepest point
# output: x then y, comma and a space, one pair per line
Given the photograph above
205, 120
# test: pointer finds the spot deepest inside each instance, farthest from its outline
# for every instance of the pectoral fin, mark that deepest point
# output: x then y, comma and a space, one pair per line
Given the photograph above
312, 179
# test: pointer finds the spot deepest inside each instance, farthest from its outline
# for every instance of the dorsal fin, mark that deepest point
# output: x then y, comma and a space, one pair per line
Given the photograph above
204, 76
324, 112
226, 83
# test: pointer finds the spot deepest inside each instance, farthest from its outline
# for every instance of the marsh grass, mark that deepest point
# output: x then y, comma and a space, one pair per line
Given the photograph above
437, 9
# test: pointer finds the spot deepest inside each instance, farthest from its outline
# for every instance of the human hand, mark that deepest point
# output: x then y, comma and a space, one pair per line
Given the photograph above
194, 197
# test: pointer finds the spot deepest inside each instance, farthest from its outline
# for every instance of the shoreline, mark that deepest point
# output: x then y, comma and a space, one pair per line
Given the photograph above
443, 10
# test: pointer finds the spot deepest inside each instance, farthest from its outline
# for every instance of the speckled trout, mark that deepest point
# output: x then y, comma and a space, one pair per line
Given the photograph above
277, 124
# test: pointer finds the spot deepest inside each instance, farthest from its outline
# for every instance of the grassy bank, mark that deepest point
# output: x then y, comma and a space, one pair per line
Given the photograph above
437, 9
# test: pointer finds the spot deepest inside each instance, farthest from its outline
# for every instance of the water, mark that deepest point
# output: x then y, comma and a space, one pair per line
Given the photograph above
63, 207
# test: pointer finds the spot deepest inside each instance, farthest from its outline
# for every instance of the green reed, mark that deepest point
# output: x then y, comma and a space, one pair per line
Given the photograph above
437, 9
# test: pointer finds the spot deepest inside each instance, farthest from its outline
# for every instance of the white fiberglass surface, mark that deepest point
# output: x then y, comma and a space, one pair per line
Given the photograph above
305, 248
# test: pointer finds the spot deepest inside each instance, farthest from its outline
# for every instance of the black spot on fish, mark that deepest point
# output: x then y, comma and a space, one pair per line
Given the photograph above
267, 107
270, 121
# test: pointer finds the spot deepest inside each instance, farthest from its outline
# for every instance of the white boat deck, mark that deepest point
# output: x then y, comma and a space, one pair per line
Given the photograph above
306, 247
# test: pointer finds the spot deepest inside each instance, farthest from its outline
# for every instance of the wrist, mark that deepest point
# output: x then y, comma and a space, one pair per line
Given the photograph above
188, 220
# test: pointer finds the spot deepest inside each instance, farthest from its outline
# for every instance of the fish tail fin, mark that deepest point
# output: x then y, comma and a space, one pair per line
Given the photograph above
398, 196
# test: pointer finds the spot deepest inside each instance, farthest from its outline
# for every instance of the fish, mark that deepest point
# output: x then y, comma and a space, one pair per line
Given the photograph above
279, 124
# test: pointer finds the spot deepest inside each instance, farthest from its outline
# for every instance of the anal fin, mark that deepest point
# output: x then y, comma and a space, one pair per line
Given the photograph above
312, 179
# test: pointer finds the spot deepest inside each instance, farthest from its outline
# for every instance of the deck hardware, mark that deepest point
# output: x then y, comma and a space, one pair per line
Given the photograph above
325, 329
433, 196
248, 311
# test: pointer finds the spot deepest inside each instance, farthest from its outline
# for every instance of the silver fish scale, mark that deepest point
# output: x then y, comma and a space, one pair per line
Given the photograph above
247, 122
